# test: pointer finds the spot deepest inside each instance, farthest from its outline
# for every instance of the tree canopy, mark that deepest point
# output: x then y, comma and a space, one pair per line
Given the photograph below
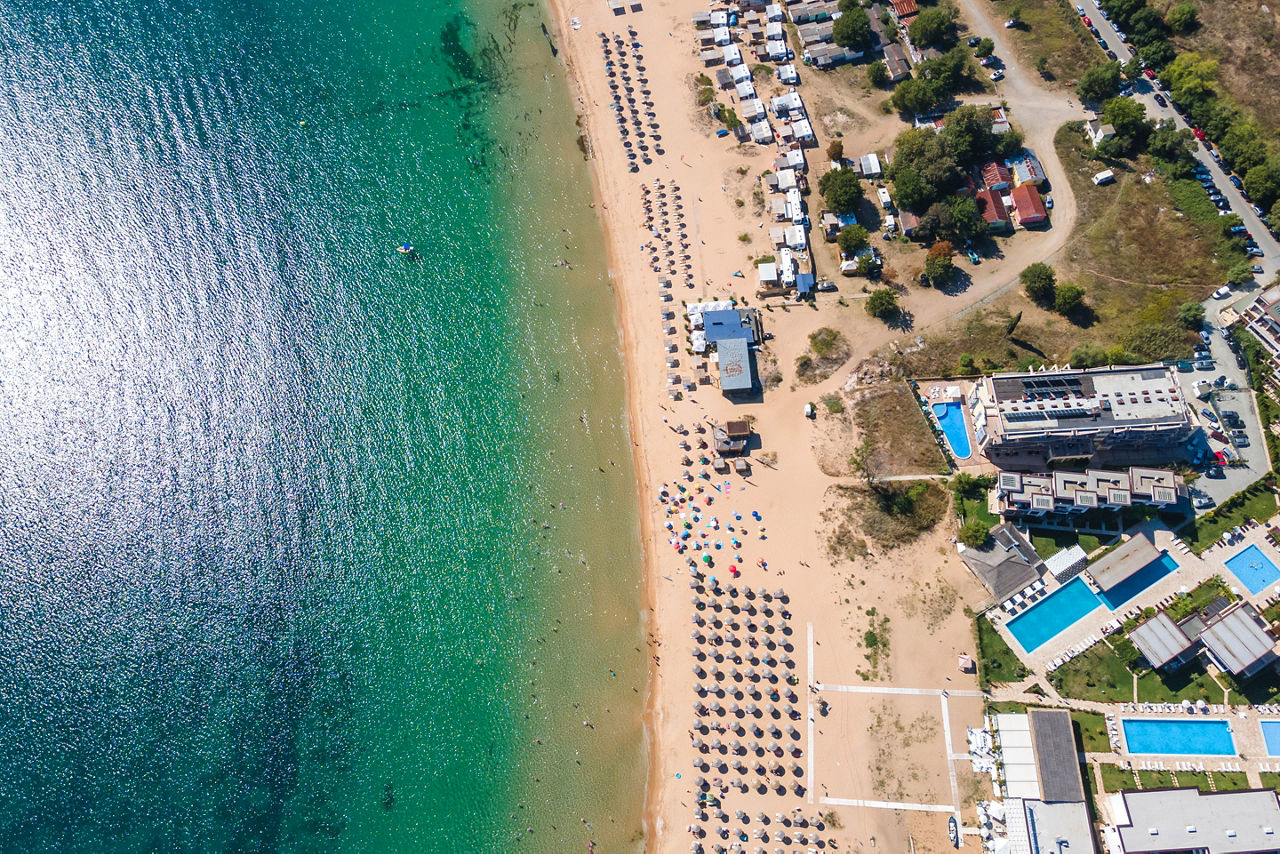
985, 48
852, 239
841, 189
1099, 83
1129, 118
1191, 315
852, 29
1068, 299
1182, 18
933, 27
882, 303
1040, 282
877, 73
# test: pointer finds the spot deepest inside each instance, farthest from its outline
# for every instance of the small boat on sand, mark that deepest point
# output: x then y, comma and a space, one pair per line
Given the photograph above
953, 831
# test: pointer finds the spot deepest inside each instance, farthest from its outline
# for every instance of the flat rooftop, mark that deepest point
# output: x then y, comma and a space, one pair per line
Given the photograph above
1102, 398
1188, 819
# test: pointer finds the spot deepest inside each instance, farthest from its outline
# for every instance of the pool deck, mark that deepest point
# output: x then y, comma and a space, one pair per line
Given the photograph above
1192, 570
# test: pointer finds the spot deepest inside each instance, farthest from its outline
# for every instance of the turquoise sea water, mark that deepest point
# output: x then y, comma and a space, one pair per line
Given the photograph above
305, 545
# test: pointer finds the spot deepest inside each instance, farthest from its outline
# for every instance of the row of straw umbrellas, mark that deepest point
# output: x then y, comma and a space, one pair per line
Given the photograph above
751, 742
635, 114
669, 247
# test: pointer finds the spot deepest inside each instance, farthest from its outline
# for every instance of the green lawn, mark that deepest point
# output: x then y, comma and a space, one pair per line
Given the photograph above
1230, 780
1006, 707
1186, 604
997, 663
1116, 779
1100, 674
1263, 688
1253, 503
1270, 780
976, 508
1103, 675
1047, 542
1189, 683
1093, 731
1155, 779
1194, 778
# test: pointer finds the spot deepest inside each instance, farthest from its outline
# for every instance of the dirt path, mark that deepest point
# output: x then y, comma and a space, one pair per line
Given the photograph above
1039, 112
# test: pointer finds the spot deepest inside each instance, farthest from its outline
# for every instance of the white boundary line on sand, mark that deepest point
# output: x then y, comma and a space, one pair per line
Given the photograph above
889, 689
951, 765
809, 697
952, 757
889, 805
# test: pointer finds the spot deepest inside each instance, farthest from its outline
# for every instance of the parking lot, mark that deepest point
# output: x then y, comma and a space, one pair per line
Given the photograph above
1235, 478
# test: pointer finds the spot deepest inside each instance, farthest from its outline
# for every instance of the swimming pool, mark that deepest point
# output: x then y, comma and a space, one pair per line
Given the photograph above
1139, 581
1053, 614
1179, 737
1271, 735
1254, 569
951, 419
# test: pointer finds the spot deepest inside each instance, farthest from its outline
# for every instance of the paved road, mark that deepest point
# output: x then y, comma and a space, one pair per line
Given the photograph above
1144, 92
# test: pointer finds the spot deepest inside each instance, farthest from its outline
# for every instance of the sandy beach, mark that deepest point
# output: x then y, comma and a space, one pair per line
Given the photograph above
859, 724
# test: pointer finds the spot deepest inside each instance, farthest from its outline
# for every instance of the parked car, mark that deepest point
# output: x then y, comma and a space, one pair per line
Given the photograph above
1199, 133
1257, 211
973, 42
996, 75
1237, 434
1220, 381
1011, 23
1086, 20
1240, 362
1238, 229
1214, 472
1256, 269
1204, 336
1111, 54
1254, 252
1236, 182
1120, 35
1219, 435
1209, 413
1160, 100
1230, 416
1222, 292
1105, 14
1242, 442
1204, 365
1080, 11
1202, 502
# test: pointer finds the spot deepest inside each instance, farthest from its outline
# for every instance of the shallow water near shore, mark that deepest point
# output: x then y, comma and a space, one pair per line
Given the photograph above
306, 544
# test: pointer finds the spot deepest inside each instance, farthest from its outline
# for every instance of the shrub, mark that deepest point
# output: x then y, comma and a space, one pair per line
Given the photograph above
1191, 315
882, 303
1068, 299
974, 534
835, 151
1040, 283
877, 73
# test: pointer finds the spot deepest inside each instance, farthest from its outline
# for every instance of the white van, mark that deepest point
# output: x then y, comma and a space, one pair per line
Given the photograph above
1106, 176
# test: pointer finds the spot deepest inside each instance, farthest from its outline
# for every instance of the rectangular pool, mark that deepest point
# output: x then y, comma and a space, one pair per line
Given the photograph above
1170, 737
1053, 614
1139, 581
1271, 735
1254, 569
951, 419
